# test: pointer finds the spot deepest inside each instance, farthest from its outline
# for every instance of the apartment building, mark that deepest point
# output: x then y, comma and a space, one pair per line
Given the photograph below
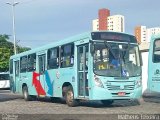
107, 22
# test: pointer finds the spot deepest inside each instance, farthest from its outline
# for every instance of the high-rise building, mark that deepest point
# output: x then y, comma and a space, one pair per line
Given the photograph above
140, 33
95, 24
103, 14
144, 35
107, 22
152, 31
116, 23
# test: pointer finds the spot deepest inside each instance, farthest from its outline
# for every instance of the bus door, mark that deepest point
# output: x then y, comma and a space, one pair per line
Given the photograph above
82, 61
154, 66
42, 67
16, 76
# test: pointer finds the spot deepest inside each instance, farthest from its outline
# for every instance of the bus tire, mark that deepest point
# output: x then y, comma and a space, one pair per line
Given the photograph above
69, 96
107, 102
55, 99
138, 101
26, 95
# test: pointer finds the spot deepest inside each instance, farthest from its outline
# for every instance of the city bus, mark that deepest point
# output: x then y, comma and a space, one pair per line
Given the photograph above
4, 80
102, 65
153, 84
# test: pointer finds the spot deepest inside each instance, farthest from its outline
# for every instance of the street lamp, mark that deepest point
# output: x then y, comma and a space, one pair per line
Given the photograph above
13, 4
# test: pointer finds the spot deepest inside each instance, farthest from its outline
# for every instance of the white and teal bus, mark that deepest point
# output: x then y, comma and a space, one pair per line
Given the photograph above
101, 65
153, 84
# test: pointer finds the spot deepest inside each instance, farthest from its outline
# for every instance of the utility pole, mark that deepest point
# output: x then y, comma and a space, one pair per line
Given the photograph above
13, 4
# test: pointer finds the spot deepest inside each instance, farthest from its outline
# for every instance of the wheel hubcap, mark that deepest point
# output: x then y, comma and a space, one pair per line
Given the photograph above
25, 94
70, 96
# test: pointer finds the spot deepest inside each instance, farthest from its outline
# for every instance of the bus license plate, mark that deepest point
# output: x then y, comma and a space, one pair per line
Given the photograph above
121, 94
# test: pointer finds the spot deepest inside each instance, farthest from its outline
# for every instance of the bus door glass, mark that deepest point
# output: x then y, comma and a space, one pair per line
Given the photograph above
155, 67
16, 75
83, 70
42, 66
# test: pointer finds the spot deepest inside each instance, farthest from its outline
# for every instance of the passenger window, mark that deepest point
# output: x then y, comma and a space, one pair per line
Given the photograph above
53, 58
81, 56
67, 55
156, 51
31, 62
23, 64
17, 68
11, 67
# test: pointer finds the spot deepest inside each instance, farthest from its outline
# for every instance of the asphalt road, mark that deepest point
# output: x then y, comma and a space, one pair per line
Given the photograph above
14, 104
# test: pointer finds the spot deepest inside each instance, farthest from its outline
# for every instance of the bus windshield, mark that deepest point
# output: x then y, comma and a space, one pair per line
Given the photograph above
116, 59
4, 76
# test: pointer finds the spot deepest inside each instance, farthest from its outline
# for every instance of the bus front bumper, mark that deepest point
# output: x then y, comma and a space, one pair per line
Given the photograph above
104, 94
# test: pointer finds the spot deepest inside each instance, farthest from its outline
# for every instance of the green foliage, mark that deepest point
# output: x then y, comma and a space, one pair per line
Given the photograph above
22, 49
6, 50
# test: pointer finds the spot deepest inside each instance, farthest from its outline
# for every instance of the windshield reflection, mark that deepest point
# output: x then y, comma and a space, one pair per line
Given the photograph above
116, 60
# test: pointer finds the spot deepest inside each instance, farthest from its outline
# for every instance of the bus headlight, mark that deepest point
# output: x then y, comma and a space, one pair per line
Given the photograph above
98, 82
138, 83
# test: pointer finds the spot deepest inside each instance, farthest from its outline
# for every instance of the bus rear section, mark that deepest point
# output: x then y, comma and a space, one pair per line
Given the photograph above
4, 80
153, 84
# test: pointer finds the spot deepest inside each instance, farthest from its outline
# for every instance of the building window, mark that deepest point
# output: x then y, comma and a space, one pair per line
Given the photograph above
67, 55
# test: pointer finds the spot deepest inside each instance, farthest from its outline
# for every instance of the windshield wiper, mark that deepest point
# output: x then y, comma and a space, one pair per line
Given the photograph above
107, 45
127, 49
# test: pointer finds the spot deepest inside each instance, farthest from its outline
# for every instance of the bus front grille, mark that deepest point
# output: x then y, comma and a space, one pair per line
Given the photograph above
118, 87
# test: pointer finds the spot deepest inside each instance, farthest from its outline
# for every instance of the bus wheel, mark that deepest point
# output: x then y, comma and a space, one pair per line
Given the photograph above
26, 95
69, 96
55, 99
107, 102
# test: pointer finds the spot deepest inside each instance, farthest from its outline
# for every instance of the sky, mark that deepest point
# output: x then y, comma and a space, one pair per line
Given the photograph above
40, 22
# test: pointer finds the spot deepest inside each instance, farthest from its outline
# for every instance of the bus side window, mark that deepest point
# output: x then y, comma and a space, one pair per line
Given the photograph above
156, 52
67, 55
23, 64
31, 62
11, 66
86, 67
17, 68
80, 52
53, 58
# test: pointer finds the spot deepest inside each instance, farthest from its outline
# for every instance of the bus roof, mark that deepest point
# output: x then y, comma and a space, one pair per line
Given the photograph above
59, 42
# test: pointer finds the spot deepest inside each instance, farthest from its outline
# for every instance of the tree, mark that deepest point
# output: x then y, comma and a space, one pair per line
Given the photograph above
22, 49
6, 50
